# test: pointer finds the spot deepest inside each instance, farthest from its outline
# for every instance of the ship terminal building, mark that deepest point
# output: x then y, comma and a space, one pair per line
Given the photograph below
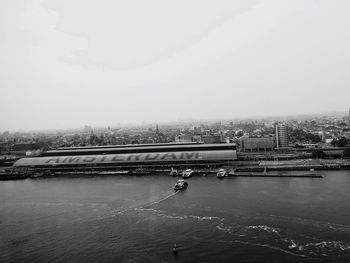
119, 157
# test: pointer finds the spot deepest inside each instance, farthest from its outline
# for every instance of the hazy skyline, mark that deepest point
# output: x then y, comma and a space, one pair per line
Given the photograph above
68, 63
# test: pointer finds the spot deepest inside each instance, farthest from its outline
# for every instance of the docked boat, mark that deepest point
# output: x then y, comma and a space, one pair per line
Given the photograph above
14, 176
180, 185
113, 172
187, 173
36, 174
221, 173
139, 171
174, 172
278, 174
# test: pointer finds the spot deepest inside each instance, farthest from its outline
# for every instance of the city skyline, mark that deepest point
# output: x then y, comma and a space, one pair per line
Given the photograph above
186, 121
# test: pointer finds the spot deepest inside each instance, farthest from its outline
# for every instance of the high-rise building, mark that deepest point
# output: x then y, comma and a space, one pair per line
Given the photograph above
281, 135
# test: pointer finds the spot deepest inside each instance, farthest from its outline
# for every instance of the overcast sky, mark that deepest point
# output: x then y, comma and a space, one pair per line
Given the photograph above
66, 63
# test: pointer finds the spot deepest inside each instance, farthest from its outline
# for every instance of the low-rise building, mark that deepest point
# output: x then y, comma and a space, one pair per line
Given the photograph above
256, 144
183, 138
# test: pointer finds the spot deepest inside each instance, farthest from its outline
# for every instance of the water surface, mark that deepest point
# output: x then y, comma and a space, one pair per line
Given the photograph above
138, 219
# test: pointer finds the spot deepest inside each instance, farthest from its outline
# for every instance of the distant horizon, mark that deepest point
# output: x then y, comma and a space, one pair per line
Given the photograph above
338, 114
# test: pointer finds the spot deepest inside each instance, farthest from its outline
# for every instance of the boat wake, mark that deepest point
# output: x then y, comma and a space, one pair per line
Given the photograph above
310, 222
264, 228
142, 205
264, 236
164, 214
312, 250
168, 194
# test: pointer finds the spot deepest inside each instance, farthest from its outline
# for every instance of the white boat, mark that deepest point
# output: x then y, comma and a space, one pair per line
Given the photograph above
180, 185
221, 173
113, 172
187, 173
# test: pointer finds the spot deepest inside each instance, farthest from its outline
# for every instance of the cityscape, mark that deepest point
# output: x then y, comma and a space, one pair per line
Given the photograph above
265, 135
174, 131
119, 176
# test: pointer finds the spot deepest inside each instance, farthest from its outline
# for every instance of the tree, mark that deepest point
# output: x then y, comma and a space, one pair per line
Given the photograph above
318, 153
346, 152
340, 142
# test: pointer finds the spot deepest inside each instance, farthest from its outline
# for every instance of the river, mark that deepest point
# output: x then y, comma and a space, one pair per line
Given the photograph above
139, 219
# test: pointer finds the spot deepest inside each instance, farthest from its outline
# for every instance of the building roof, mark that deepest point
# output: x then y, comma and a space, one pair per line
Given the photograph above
124, 146
143, 149
137, 158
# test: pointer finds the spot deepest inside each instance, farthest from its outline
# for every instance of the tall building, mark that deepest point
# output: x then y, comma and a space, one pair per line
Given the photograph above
281, 135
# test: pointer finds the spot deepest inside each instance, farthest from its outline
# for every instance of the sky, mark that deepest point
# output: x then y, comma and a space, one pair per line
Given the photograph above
64, 63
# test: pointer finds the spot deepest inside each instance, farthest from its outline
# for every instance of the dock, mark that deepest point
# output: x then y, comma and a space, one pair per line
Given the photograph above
243, 174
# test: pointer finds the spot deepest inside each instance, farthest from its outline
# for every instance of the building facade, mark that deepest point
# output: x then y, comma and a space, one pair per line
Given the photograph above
183, 138
281, 135
114, 157
256, 144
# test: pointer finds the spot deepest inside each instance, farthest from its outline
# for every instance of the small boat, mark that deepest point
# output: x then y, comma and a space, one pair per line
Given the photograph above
221, 173
139, 171
113, 172
174, 172
36, 174
187, 173
175, 251
180, 185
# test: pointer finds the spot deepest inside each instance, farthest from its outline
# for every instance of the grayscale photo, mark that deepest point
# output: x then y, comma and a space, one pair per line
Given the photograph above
174, 131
